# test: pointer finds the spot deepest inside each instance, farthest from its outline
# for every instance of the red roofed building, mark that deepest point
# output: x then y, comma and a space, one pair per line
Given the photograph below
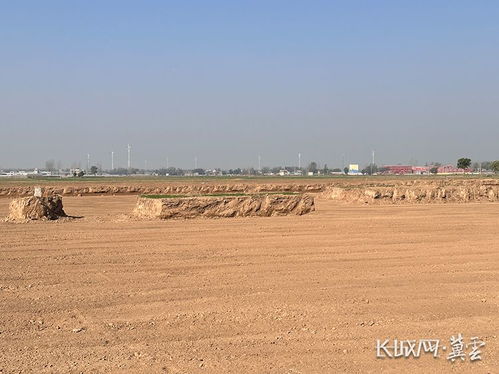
421, 169
451, 169
397, 169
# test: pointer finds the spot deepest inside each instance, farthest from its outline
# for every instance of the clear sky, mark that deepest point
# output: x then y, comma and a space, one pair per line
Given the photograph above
228, 80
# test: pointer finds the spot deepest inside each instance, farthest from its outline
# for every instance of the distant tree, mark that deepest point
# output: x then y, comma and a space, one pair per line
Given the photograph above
370, 169
50, 165
434, 169
175, 171
336, 170
169, 171
94, 169
494, 165
486, 165
118, 171
346, 169
312, 167
463, 163
325, 169
80, 174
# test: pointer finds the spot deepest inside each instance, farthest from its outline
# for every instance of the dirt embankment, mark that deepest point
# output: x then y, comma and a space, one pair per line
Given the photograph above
234, 206
166, 189
36, 208
392, 190
417, 192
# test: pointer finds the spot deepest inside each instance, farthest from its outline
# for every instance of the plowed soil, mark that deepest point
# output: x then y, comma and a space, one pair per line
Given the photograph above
295, 294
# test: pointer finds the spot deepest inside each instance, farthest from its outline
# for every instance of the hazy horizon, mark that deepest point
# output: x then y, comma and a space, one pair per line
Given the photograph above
227, 81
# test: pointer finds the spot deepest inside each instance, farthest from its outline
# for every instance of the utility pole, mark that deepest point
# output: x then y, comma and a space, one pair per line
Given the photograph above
129, 156
167, 162
259, 163
299, 161
112, 160
88, 161
372, 164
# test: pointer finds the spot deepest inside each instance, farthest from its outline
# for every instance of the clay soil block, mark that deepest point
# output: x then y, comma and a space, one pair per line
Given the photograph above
36, 208
417, 193
241, 205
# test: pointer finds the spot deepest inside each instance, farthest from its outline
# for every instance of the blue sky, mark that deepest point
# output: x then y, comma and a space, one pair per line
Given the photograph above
228, 80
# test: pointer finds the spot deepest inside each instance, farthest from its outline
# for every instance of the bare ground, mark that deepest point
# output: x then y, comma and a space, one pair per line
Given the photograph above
307, 294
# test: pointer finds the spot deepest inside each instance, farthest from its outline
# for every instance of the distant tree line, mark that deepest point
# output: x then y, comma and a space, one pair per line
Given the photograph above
312, 167
170, 171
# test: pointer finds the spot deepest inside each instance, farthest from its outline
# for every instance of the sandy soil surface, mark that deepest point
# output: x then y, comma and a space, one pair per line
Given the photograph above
294, 294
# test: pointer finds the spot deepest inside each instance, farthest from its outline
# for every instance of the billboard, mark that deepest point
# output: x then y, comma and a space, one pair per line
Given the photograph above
353, 169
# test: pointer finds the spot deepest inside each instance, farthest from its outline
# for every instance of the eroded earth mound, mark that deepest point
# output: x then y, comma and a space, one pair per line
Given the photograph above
36, 208
224, 206
436, 192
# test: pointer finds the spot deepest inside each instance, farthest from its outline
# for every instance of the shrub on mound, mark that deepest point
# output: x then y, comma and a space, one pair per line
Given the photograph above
36, 208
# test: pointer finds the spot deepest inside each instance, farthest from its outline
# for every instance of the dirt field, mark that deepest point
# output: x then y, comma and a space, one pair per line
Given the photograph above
295, 294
